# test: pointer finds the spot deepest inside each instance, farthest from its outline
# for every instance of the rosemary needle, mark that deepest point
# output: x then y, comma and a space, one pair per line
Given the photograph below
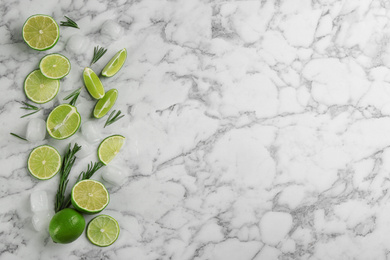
17, 136
27, 106
73, 96
69, 23
112, 118
97, 54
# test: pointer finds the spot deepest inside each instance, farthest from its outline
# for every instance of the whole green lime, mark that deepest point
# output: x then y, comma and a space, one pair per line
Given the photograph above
66, 226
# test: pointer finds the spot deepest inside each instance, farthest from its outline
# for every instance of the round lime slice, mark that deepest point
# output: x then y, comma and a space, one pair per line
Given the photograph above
103, 230
93, 83
63, 121
44, 162
89, 196
41, 32
54, 66
110, 147
40, 89
115, 64
105, 104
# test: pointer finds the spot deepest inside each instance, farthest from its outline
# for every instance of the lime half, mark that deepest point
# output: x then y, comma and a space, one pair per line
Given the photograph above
89, 196
105, 104
40, 89
103, 230
54, 66
110, 147
44, 162
93, 83
41, 32
115, 64
63, 121
66, 226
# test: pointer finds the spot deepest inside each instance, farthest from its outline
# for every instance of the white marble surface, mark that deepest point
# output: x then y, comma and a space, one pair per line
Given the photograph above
256, 130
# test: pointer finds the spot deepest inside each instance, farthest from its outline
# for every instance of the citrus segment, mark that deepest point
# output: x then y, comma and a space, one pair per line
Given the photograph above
54, 66
63, 121
89, 196
109, 148
40, 89
41, 32
115, 64
105, 104
93, 83
44, 162
103, 230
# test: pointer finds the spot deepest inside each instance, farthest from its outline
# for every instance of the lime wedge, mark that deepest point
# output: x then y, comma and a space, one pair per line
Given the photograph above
54, 66
63, 121
93, 83
44, 162
40, 89
103, 230
89, 196
41, 32
115, 64
109, 148
105, 104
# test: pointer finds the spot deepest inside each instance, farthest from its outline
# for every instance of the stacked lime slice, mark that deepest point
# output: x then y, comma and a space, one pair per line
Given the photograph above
63, 121
40, 89
41, 32
44, 162
54, 66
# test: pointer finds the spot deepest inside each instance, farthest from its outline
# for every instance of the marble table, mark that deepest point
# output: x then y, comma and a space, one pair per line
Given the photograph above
255, 130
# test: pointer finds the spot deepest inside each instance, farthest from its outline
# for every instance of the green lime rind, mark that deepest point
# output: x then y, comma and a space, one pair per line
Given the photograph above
60, 61
78, 200
49, 46
66, 226
115, 64
40, 89
108, 149
59, 122
93, 83
103, 230
30, 162
104, 104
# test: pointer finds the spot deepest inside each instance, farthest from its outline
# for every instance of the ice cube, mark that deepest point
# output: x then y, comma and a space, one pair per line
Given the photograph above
90, 131
113, 175
41, 220
77, 44
112, 30
86, 148
36, 130
39, 201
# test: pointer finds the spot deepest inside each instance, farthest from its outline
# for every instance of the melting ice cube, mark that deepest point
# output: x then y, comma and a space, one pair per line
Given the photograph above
39, 201
113, 175
86, 148
90, 131
41, 220
36, 130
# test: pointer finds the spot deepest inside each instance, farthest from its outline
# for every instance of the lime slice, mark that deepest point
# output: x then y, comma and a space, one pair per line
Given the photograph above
41, 32
93, 83
63, 121
89, 196
115, 64
40, 89
66, 226
103, 230
109, 148
44, 162
54, 66
105, 104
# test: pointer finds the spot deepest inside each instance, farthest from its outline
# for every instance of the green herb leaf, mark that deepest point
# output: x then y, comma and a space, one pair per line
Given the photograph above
113, 118
27, 106
69, 23
17, 136
74, 95
97, 54
92, 168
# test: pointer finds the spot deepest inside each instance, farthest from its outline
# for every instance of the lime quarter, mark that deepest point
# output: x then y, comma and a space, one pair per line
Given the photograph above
105, 104
89, 196
110, 147
93, 83
40, 89
66, 226
54, 66
103, 230
63, 121
41, 32
44, 162
115, 64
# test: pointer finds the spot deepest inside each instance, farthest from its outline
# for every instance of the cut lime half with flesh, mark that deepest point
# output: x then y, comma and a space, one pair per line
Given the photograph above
105, 104
103, 230
93, 83
89, 196
63, 121
115, 64
41, 32
44, 162
54, 66
110, 147
40, 89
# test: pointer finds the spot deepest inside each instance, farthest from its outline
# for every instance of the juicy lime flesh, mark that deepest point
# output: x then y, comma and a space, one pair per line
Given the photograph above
44, 162
40, 89
66, 226
110, 147
105, 104
103, 230
41, 32
90, 196
54, 66
93, 83
115, 64
63, 121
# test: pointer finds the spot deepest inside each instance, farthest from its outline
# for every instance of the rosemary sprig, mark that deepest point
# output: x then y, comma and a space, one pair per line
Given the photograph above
74, 95
97, 54
113, 118
27, 106
69, 23
67, 165
92, 168
17, 136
